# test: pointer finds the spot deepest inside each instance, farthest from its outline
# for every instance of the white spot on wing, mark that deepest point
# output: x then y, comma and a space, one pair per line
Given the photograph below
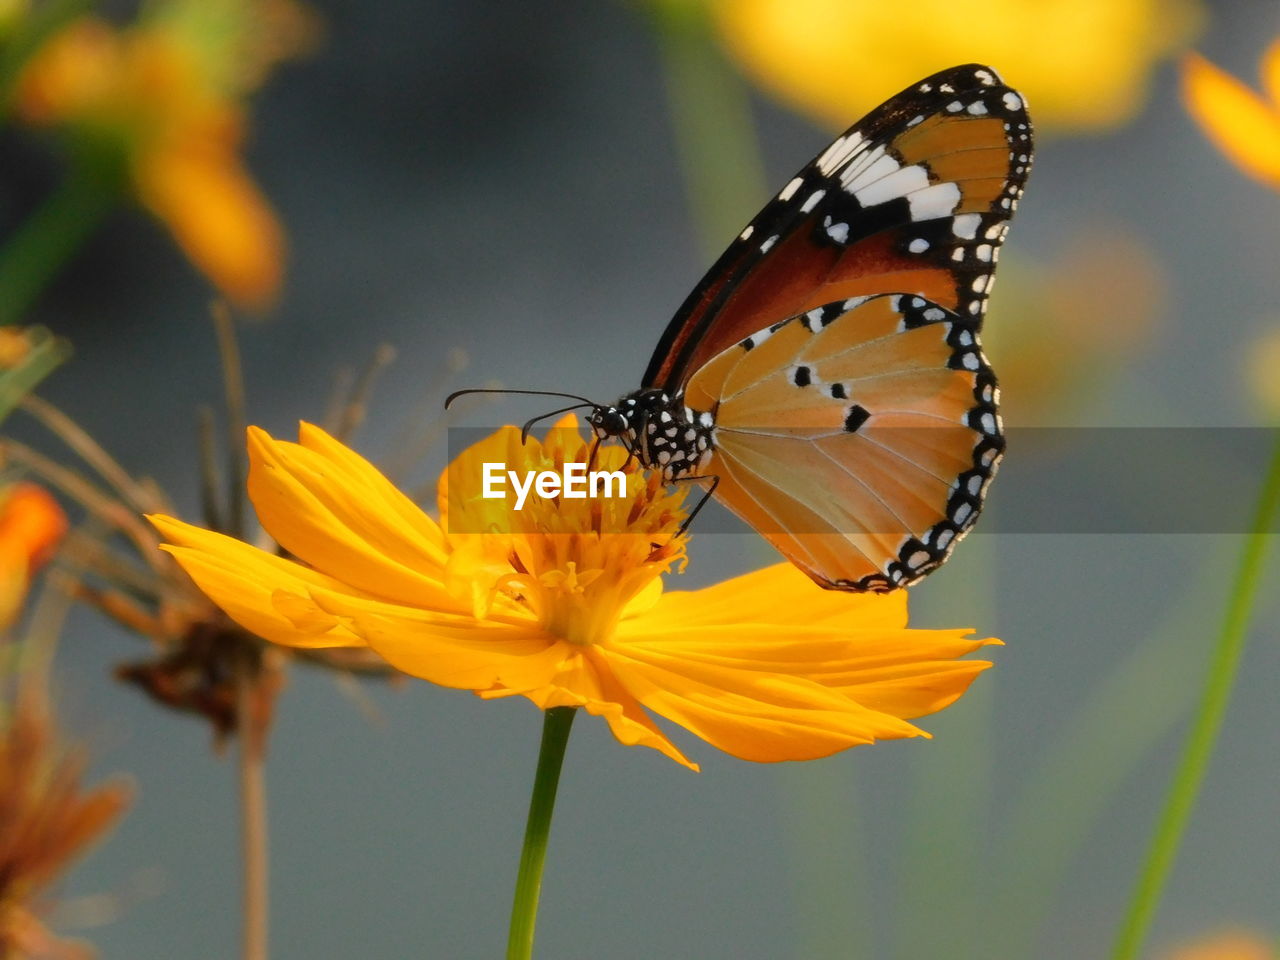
918, 245
812, 200
839, 232
897, 184
839, 151
860, 174
789, 190
1013, 101
935, 202
965, 225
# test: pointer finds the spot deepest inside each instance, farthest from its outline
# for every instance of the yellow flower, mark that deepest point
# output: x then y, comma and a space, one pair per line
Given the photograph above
1242, 124
1262, 360
1229, 945
166, 94
562, 602
31, 524
47, 820
1084, 64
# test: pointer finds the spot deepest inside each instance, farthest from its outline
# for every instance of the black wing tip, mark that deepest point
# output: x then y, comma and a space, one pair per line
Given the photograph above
981, 73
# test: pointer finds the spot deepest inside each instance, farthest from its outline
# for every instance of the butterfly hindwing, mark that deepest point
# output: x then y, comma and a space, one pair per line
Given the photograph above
913, 198
858, 437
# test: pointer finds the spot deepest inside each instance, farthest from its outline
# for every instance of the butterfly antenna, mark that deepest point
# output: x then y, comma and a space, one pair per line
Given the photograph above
530, 393
524, 431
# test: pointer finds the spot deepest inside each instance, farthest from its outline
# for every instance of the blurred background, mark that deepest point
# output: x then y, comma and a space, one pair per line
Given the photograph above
523, 193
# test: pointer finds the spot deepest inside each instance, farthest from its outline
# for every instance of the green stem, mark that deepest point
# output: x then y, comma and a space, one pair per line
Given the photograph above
1208, 721
52, 235
46, 353
524, 908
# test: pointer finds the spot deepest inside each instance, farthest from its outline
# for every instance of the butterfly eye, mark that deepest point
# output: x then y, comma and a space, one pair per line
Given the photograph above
607, 422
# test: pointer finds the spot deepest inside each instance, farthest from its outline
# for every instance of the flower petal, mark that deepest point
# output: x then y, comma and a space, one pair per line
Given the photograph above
1238, 121
751, 714
198, 186
904, 673
1271, 72
585, 680
453, 651
775, 594
244, 582
336, 512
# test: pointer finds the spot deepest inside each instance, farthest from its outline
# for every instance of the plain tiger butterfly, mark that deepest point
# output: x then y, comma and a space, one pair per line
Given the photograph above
826, 377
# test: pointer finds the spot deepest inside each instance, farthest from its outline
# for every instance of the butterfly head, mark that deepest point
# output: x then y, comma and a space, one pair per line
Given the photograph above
607, 422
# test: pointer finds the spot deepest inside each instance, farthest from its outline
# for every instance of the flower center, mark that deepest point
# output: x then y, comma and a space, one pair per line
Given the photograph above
577, 565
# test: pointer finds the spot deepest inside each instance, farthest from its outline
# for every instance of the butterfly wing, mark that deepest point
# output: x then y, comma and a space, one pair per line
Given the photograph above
915, 198
858, 437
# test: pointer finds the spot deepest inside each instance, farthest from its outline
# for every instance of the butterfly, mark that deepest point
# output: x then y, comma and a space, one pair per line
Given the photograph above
826, 377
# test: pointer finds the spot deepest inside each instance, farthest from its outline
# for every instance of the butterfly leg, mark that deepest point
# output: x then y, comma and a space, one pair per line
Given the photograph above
591, 458
715, 482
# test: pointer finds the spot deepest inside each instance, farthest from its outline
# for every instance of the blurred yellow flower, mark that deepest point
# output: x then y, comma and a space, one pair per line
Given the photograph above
1083, 64
1229, 945
1262, 360
167, 96
1242, 124
31, 524
46, 821
562, 603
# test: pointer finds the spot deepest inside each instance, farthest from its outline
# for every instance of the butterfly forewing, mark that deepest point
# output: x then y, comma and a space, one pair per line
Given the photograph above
858, 437
914, 198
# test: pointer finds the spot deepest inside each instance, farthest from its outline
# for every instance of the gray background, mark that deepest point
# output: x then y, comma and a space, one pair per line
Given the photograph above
501, 177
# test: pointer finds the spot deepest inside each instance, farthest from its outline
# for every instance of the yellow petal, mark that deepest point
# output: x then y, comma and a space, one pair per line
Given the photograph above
453, 651
905, 673
196, 184
1238, 121
751, 714
585, 680
776, 594
244, 581
1271, 72
336, 512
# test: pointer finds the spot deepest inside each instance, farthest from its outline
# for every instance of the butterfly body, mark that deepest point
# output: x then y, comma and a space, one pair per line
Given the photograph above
664, 433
